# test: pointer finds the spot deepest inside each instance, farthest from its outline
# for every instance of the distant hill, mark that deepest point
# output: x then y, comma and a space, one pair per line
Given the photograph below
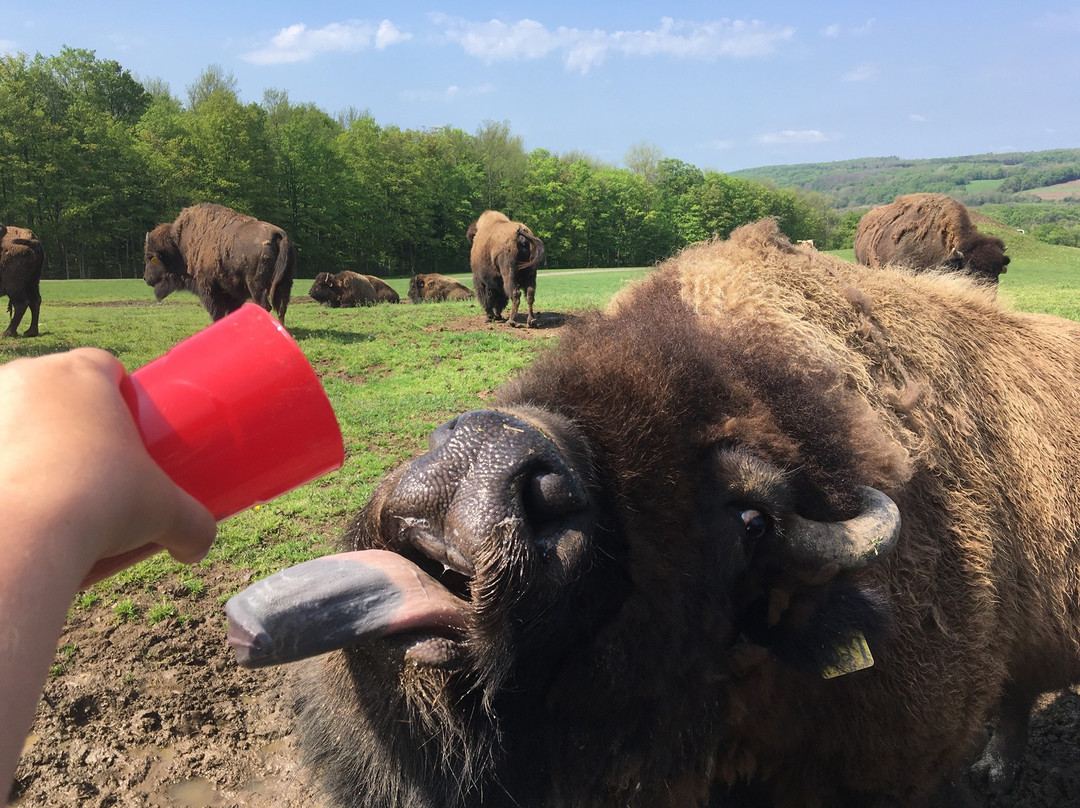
974, 179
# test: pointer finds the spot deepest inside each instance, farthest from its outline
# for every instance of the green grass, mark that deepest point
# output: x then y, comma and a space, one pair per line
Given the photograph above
392, 374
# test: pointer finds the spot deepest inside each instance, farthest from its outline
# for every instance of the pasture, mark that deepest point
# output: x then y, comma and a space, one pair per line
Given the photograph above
145, 705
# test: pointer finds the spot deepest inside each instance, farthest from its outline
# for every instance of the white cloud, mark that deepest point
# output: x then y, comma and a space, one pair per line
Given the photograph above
833, 30
792, 136
582, 50
861, 73
722, 145
917, 118
298, 43
836, 30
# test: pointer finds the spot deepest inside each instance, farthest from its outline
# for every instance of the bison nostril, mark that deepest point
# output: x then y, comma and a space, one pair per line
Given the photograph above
552, 495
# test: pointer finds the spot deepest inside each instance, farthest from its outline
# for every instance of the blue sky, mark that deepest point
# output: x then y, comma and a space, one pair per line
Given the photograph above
720, 85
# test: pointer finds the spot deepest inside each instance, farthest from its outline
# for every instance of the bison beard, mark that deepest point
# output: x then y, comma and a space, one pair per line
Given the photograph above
660, 554
224, 257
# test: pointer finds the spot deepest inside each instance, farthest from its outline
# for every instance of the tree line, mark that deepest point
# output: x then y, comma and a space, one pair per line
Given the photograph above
91, 158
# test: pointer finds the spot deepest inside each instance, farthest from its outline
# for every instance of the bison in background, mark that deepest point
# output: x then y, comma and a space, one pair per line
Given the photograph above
775, 529
384, 292
929, 231
504, 258
344, 290
432, 287
224, 257
21, 260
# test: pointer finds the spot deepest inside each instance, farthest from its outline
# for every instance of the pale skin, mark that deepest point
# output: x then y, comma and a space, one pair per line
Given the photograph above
80, 499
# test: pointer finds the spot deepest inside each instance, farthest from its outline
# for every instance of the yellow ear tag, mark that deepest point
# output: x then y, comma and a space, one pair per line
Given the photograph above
853, 654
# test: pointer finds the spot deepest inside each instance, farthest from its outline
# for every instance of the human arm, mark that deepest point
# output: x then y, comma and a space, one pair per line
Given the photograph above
77, 489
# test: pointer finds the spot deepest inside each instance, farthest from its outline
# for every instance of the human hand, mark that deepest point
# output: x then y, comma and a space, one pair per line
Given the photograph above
74, 466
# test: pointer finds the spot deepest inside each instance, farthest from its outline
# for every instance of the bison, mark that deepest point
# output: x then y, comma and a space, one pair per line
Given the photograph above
436, 288
224, 257
384, 292
21, 259
504, 258
929, 231
344, 290
773, 529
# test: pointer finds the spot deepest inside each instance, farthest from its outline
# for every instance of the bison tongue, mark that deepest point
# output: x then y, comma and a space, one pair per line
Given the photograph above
335, 601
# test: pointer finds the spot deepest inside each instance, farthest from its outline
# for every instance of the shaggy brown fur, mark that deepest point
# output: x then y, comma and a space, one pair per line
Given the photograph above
432, 287
384, 292
21, 259
929, 231
649, 642
224, 257
344, 290
504, 258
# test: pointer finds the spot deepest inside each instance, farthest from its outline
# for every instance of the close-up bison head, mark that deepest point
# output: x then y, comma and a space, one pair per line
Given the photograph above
667, 566
982, 257
323, 289
165, 269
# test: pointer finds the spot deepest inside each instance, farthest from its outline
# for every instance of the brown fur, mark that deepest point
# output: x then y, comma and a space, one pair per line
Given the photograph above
343, 290
928, 231
667, 656
504, 259
384, 292
21, 260
434, 288
224, 257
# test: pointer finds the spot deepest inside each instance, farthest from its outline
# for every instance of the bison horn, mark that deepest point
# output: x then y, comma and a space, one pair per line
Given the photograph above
853, 543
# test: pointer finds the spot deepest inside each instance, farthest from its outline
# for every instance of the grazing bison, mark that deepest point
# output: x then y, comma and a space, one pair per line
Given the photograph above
504, 258
343, 290
929, 231
437, 288
21, 259
775, 529
224, 257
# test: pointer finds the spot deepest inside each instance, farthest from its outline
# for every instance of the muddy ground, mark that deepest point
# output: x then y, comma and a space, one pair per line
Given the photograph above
139, 715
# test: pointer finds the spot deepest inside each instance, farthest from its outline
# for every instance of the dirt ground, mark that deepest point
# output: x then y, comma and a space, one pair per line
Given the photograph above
162, 716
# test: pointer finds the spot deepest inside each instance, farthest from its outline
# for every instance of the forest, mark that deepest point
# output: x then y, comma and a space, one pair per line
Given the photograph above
91, 158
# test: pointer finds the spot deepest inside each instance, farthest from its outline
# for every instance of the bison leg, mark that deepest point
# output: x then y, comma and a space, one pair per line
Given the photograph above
996, 768
530, 294
18, 308
515, 302
35, 311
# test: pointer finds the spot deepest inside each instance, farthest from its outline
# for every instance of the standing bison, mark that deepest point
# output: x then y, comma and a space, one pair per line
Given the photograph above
504, 258
775, 529
344, 290
224, 257
929, 231
432, 287
21, 259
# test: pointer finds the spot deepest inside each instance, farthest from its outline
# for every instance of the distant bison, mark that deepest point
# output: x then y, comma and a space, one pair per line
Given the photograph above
436, 288
21, 259
929, 231
774, 530
504, 258
224, 257
384, 292
343, 290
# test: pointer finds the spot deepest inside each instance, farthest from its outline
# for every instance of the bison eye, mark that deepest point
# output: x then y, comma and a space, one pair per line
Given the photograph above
757, 524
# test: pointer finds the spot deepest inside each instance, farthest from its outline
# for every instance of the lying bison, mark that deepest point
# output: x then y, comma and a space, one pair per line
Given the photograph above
775, 529
504, 258
384, 292
224, 257
21, 259
929, 231
343, 290
432, 287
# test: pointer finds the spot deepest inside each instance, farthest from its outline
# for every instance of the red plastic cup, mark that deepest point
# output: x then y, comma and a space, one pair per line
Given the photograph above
235, 414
